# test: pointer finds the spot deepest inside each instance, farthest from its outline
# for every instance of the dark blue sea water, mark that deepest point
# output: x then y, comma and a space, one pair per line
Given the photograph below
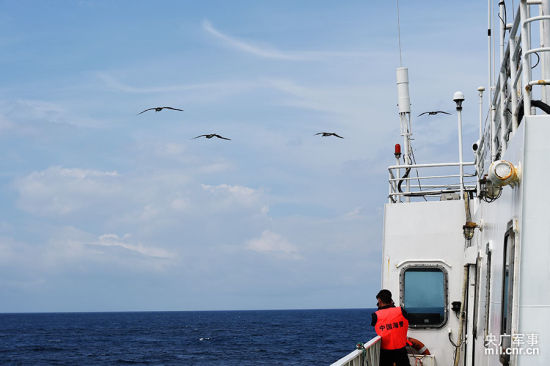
274, 337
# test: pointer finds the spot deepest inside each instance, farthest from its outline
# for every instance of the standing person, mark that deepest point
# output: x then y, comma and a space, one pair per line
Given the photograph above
390, 323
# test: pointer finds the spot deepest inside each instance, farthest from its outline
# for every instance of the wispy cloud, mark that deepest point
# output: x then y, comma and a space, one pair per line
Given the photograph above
113, 240
269, 52
40, 111
346, 101
266, 52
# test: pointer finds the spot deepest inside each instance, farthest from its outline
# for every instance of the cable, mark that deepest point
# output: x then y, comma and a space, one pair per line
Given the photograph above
406, 175
534, 103
453, 343
417, 175
538, 60
505, 15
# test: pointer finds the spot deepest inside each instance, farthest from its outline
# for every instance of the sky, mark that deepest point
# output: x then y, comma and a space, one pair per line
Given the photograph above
105, 209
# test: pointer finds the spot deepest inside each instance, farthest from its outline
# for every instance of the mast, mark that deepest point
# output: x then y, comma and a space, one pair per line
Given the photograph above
404, 104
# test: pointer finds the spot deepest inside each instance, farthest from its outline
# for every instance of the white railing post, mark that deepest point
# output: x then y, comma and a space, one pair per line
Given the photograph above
502, 79
480, 142
491, 81
525, 60
458, 98
480, 90
390, 196
368, 355
513, 76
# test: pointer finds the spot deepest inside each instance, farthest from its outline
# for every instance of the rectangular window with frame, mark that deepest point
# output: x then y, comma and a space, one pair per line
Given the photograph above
507, 293
424, 295
488, 270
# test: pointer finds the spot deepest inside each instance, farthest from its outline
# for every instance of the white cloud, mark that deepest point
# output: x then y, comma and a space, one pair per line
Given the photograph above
171, 149
149, 212
348, 102
62, 191
5, 124
273, 243
357, 212
113, 240
179, 204
150, 200
241, 195
69, 248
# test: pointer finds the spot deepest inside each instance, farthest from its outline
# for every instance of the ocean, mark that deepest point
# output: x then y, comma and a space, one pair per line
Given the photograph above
263, 337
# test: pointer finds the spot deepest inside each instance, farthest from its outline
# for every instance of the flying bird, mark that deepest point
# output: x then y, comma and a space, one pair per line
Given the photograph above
158, 109
210, 135
432, 113
325, 134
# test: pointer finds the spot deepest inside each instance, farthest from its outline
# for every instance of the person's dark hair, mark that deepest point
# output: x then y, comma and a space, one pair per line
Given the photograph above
385, 296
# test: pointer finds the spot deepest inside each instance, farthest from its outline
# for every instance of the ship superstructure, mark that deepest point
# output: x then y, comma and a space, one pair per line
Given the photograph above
466, 244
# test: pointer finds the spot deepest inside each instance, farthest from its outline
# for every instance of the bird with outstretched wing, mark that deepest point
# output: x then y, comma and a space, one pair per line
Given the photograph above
326, 134
210, 135
433, 113
158, 109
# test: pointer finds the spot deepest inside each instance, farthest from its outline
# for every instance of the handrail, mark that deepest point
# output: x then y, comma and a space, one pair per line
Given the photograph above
369, 355
429, 165
432, 177
429, 185
533, 19
432, 193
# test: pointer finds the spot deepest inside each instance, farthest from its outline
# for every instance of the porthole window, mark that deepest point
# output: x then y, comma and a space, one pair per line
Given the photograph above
424, 295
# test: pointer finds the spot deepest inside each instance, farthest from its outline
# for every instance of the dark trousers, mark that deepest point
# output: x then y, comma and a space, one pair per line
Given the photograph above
389, 356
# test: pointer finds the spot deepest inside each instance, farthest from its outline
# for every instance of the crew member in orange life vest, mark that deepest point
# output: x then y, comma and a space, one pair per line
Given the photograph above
390, 323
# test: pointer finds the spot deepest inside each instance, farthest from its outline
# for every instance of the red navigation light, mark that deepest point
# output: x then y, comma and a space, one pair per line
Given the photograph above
397, 152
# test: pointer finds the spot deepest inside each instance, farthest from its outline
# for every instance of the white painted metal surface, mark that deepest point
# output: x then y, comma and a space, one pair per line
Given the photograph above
425, 233
534, 274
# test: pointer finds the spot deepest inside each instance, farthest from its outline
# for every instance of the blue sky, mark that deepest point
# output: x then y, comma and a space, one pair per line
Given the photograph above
106, 210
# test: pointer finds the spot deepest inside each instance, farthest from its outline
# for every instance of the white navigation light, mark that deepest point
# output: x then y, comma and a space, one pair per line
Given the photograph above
458, 98
502, 173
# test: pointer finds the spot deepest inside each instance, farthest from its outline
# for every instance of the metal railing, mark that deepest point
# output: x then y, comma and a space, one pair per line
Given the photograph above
368, 355
407, 181
512, 95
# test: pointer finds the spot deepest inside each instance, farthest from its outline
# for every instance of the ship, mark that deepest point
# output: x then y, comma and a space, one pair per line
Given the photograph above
466, 244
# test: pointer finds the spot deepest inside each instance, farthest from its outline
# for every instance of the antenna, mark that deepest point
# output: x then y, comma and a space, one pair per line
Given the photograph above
404, 104
399, 34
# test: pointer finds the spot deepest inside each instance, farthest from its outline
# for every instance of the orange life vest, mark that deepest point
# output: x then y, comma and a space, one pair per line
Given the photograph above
392, 326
